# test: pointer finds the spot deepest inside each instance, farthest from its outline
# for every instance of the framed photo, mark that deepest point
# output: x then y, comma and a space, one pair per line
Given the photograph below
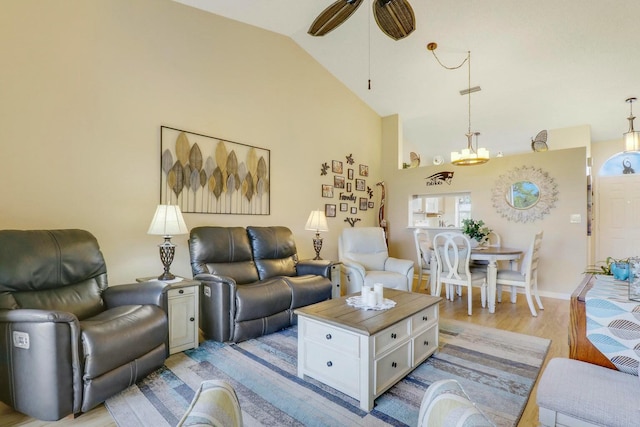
330, 211
348, 187
363, 203
344, 207
354, 210
350, 173
364, 170
360, 184
338, 181
327, 190
370, 205
336, 166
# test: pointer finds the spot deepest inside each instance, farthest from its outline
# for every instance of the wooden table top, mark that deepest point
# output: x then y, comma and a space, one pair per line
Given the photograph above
496, 250
368, 322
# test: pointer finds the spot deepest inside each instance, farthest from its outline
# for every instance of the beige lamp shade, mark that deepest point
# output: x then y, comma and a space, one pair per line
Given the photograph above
632, 140
317, 222
168, 221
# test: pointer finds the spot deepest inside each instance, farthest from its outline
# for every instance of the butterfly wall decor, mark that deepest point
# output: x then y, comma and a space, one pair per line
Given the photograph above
539, 143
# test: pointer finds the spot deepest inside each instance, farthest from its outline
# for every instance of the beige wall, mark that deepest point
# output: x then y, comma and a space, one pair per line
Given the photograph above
86, 86
564, 248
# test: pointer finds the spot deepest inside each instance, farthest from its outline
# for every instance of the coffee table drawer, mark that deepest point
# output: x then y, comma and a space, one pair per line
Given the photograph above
332, 337
425, 344
335, 369
391, 336
424, 318
392, 367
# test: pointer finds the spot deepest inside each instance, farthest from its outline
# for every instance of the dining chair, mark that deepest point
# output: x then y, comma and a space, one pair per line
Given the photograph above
526, 278
423, 254
453, 252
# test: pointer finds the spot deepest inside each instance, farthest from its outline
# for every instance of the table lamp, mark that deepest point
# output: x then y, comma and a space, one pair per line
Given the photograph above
167, 222
317, 222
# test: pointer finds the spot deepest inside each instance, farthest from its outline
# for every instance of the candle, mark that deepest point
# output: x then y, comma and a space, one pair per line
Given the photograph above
378, 290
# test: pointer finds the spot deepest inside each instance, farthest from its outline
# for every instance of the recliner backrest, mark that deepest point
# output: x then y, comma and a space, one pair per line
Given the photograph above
274, 251
364, 245
223, 251
52, 269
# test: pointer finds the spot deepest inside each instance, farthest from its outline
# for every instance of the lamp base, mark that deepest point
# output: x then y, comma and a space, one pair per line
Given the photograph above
317, 245
167, 251
166, 276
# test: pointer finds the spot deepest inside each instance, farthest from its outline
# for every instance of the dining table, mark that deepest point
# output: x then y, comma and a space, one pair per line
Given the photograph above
491, 254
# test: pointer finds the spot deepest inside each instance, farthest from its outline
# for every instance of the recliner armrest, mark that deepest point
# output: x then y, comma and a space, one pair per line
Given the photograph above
145, 293
318, 267
398, 265
31, 380
218, 306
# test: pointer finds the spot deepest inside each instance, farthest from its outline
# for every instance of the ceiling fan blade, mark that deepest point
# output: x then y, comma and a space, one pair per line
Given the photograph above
394, 17
333, 16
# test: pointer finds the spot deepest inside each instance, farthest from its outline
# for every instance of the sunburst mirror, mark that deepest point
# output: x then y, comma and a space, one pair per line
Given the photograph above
524, 194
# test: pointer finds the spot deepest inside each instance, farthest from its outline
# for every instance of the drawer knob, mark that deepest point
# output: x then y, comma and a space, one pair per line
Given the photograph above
328, 336
329, 364
426, 342
181, 291
192, 319
394, 364
425, 318
394, 336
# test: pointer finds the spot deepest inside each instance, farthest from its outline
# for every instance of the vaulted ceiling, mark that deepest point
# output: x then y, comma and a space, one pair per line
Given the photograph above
541, 64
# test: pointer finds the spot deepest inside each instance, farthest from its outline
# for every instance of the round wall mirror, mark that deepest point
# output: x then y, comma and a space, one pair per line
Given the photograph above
524, 194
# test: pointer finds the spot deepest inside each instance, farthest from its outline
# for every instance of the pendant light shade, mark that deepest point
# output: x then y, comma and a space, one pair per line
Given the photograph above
632, 137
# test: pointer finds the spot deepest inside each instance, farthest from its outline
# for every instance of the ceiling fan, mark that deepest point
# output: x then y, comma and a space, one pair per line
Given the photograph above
394, 17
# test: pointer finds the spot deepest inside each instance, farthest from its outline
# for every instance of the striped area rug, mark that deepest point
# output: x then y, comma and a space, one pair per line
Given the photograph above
497, 369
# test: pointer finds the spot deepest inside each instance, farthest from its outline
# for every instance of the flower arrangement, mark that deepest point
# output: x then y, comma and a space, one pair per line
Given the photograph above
475, 229
604, 267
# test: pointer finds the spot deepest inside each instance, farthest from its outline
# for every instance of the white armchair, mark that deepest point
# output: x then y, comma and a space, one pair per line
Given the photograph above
366, 261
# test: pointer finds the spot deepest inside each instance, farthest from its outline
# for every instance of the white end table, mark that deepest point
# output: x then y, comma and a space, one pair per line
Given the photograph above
183, 311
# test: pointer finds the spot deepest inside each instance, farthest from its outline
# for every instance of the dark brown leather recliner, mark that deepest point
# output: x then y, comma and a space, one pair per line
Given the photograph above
252, 280
67, 341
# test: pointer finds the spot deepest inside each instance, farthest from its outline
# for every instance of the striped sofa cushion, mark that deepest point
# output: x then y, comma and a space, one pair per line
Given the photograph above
445, 404
214, 404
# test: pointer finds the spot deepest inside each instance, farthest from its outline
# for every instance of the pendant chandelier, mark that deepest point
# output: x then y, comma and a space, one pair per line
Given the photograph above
632, 137
472, 155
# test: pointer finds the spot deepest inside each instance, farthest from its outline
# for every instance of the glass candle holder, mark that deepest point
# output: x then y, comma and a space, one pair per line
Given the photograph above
634, 279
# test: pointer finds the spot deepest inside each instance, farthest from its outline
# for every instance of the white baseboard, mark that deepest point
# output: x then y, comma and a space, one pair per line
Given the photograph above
546, 294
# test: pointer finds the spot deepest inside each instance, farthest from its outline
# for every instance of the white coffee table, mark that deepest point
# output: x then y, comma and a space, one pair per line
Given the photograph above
362, 353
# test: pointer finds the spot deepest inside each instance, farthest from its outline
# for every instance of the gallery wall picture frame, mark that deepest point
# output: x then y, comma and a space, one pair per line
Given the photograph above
350, 173
207, 174
327, 191
338, 181
344, 207
363, 203
370, 205
348, 187
364, 170
330, 210
336, 166
360, 184
354, 210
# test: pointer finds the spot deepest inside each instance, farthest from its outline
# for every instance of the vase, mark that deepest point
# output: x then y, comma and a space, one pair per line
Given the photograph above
620, 270
474, 243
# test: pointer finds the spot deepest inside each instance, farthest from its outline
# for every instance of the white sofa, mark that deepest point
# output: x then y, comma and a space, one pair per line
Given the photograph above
573, 393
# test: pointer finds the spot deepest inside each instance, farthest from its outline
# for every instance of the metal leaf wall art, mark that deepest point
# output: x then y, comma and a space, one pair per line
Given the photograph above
203, 174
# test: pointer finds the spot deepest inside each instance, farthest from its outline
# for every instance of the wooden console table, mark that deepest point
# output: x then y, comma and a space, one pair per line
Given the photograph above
580, 348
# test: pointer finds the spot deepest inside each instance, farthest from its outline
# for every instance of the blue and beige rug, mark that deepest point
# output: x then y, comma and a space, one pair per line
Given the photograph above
498, 370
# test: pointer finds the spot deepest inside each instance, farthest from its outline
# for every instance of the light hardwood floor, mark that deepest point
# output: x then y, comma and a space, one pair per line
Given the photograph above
551, 323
